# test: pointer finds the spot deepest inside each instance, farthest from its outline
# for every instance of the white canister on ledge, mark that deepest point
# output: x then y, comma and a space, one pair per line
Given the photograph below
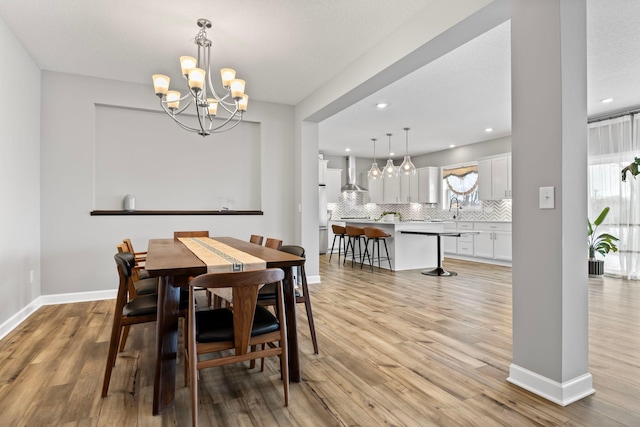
129, 203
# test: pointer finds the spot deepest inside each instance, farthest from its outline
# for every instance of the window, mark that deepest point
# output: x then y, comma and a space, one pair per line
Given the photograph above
460, 186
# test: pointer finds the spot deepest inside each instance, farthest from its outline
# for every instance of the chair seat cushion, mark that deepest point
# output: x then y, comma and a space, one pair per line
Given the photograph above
268, 291
217, 324
143, 274
140, 306
146, 286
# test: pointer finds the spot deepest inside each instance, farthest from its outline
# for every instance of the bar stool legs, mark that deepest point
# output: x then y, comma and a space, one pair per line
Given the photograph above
339, 232
375, 234
354, 233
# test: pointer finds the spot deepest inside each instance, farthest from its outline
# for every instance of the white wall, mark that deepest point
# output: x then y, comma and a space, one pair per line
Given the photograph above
77, 249
19, 176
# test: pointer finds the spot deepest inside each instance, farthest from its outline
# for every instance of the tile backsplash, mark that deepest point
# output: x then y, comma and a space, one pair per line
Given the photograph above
352, 205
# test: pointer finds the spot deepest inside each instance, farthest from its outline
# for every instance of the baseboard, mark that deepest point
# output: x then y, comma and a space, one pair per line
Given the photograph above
313, 279
562, 394
15, 320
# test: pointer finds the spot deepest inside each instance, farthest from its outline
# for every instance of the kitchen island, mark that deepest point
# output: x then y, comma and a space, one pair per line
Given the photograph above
407, 251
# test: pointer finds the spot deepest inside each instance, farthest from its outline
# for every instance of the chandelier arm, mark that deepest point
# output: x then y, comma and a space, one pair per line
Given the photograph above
200, 121
215, 130
179, 111
183, 126
226, 121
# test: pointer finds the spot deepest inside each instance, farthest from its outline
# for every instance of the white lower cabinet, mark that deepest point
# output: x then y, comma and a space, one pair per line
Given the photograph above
493, 240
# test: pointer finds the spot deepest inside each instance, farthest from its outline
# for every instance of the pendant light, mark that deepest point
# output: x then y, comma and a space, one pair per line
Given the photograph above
374, 172
390, 170
407, 167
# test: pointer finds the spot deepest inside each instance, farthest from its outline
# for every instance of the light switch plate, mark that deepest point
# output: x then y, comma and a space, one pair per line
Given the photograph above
547, 197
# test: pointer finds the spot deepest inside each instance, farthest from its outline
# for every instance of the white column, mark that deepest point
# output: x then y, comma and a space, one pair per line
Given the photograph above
550, 306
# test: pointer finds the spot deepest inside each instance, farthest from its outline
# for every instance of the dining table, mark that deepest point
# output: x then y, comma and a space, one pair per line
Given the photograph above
173, 263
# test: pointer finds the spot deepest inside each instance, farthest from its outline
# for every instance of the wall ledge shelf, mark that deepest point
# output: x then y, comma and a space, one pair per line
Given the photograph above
163, 212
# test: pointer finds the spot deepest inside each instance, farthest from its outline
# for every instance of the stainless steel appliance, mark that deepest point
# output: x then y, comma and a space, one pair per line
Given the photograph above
323, 218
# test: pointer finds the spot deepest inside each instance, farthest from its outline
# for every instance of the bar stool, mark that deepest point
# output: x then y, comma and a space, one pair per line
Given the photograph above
338, 233
354, 234
375, 234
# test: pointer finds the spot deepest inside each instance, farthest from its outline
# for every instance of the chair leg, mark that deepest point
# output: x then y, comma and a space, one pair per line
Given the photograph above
366, 252
387, 251
123, 340
332, 246
346, 251
113, 353
307, 306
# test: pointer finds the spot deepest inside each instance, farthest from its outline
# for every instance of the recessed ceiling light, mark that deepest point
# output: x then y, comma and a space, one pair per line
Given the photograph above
347, 149
606, 100
488, 130
452, 145
381, 105
392, 154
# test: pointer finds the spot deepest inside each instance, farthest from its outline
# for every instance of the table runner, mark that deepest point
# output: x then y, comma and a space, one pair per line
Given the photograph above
221, 258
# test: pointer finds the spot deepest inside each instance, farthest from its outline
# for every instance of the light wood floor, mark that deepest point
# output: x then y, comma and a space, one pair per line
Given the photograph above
397, 349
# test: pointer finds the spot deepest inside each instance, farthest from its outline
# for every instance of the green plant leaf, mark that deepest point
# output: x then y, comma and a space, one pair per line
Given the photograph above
601, 217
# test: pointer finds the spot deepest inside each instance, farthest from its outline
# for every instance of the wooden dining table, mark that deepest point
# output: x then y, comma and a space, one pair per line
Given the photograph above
173, 263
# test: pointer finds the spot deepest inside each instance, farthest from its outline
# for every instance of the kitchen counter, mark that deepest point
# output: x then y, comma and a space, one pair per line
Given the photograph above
407, 251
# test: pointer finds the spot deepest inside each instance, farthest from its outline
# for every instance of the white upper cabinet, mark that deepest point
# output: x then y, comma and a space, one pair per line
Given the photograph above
322, 172
376, 189
409, 186
391, 193
429, 184
494, 178
333, 181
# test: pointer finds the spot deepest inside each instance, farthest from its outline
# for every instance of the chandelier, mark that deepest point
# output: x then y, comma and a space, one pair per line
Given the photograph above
201, 94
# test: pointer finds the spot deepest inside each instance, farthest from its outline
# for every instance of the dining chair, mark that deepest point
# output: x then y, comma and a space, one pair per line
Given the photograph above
140, 258
128, 312
273, 243
267, 295
256, 240
137, 285
237, 329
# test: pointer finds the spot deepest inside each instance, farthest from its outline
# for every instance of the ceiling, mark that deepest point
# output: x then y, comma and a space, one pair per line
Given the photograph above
286, 49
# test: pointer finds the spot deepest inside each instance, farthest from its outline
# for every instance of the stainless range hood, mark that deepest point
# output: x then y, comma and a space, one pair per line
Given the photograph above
351, 186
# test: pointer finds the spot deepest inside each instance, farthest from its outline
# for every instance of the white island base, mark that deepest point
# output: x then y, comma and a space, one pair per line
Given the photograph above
407, 251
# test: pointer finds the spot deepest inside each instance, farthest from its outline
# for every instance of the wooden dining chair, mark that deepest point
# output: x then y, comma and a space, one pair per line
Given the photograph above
273, 243
140, 257
137, 285
267, 294
238, 329
256, 240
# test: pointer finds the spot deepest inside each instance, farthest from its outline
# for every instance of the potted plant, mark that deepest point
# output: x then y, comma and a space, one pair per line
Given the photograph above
600, 243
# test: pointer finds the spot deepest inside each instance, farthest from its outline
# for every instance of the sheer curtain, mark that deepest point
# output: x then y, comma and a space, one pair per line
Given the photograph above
613, 144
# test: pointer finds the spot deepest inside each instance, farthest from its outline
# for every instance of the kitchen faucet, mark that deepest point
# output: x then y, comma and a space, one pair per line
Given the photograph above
457, 206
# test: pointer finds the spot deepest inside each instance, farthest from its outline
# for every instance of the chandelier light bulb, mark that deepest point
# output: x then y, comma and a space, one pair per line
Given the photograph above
196, 79
173, 99
187, 63
244, 101
212, 106
160, 84
227, 75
